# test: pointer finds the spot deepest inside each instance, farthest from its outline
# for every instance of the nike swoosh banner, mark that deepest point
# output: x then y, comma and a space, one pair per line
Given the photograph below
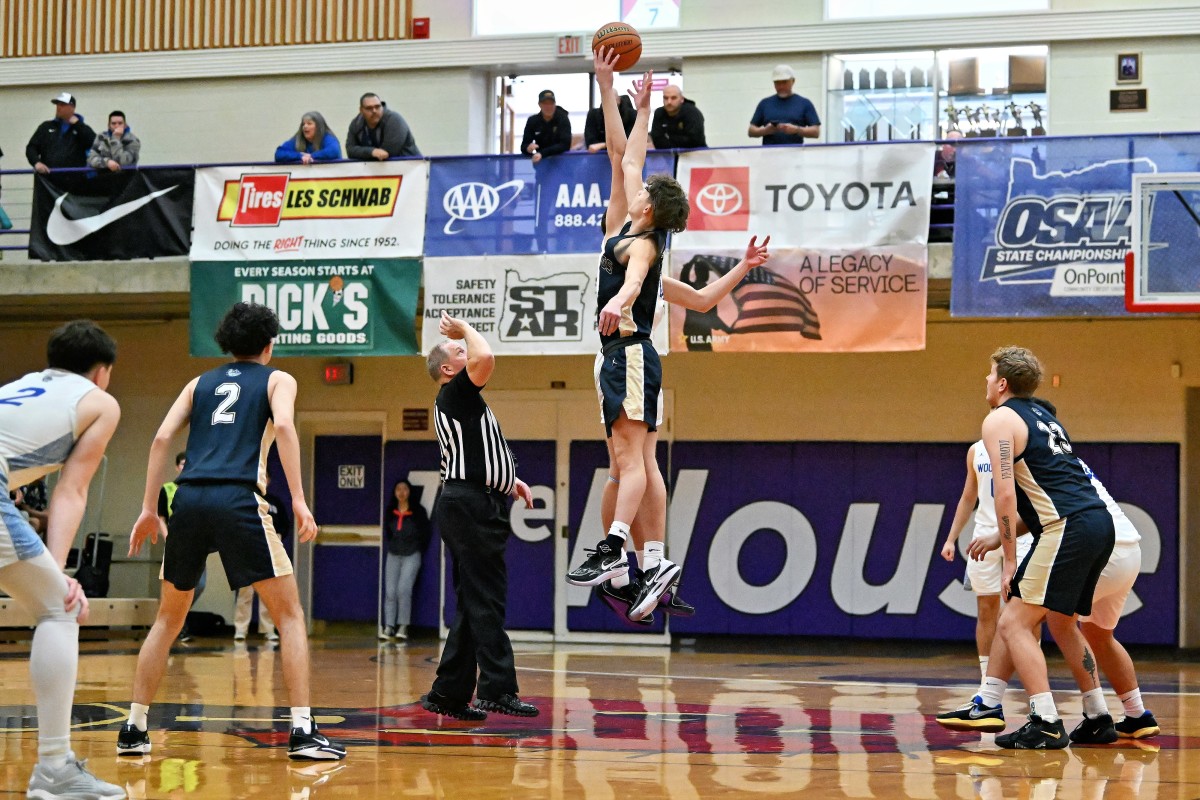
143, 213
849, 262
342, 307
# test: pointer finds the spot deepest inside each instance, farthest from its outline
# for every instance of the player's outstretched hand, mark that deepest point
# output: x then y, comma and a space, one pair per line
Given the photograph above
306, 526
641, 94
146, 525
603, 61
980, 546
523, 492
757, 254
452, 327
76, 597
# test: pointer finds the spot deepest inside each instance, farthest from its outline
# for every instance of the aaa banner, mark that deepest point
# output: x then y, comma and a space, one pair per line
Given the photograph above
350, 307
327, 211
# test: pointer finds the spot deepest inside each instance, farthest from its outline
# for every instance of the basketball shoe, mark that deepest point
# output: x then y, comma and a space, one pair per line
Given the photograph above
69, 782
438, 704
604, 563
508, 704
620, 598
1037, 734
655, 583
313, 746
1094, 730
674, 605
1137, 727
974, 716
131, 741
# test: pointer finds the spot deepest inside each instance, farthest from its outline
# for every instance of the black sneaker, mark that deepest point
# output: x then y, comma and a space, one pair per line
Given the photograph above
437, 704
1037, 734
655, 582
1138, 727
674, 605
603, 564
974, 716
619, 599
313, 746
131, 741
185, 635
1094, 730
508, 704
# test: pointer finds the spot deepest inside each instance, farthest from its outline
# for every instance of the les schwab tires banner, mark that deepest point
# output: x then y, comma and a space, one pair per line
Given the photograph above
326, 211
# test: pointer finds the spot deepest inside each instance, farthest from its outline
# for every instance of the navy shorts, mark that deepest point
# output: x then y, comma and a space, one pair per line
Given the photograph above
1061, 569
629, 378
227, 518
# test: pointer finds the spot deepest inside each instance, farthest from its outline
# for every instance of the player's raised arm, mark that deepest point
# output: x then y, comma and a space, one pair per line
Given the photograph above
614, 140
175, 421
634, 161
679, 293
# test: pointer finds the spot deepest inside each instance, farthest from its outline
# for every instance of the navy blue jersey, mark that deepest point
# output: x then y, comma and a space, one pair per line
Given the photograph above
1052, 483
638, 318
231, 426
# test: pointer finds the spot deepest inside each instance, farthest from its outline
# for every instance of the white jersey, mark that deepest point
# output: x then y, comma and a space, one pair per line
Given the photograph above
985, 513
37, 423
1126, 533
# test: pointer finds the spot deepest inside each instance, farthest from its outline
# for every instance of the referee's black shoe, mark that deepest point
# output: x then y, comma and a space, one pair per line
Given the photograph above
508, 704
604, 563
439, 704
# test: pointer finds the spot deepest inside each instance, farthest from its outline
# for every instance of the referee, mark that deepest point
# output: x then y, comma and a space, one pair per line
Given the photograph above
478, 474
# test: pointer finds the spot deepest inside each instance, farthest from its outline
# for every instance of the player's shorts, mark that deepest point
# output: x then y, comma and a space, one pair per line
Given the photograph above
227, 518
18, 540
1114, 586
629, 378
1061, 570
985, 576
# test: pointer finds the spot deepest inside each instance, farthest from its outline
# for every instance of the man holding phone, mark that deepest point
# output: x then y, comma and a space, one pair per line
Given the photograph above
785, 117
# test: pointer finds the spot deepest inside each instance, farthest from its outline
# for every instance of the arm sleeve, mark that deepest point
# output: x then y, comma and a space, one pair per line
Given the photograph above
33, 150
86, 134
353, 149
98, 158
760, 115
330, 150
810, 114
397, 137
287, 153
131, 151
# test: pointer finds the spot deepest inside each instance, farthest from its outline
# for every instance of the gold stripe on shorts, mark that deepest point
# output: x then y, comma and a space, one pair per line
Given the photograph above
1036, 580
635, 383
280, 563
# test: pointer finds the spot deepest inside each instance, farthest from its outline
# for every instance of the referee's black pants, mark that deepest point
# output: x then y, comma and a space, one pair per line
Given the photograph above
475, 527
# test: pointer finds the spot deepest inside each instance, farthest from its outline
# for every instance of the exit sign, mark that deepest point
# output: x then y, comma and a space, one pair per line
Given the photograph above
570, 46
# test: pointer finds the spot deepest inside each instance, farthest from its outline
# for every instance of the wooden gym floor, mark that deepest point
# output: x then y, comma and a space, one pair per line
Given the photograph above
826, 719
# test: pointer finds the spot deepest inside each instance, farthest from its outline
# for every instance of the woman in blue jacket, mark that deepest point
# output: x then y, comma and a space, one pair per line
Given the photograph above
312, 142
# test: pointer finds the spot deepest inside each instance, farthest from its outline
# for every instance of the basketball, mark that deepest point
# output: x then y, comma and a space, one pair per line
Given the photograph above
622, 39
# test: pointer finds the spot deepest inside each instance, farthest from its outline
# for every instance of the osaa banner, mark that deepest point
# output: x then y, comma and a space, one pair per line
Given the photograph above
351, 307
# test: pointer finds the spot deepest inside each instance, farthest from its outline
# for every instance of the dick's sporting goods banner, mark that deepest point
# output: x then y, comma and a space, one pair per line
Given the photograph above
508, 205
348, 307
848, 228
327, 211
111, 216
523, 305
1041, 227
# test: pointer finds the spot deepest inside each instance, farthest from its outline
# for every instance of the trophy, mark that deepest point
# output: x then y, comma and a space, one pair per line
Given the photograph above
952, 116
1036, 110
972, 115
1015, 111
987, 122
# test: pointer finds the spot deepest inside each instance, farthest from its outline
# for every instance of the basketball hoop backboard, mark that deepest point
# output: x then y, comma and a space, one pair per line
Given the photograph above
1162, 268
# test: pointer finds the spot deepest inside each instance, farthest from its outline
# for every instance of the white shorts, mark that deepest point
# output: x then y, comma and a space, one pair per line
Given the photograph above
1114, 586
985, 575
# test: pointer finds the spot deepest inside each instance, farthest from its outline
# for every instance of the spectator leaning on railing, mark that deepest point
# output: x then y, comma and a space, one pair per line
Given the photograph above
378, 133
60, 142
312, 142
116, 147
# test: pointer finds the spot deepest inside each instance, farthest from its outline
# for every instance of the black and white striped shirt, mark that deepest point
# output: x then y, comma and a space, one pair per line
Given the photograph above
473, 448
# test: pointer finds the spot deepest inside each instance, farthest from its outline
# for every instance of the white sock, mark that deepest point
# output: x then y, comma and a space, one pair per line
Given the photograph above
137, 715
983, 662
1093, 703
991, 691
302, 718
1043, 705
652, 554
53, 661
620, 530
1133, 703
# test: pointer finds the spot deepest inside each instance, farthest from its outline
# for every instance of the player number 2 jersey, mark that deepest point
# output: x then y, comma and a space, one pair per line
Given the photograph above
231, 427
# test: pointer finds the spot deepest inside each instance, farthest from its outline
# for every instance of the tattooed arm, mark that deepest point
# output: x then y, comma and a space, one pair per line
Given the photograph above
1001, 437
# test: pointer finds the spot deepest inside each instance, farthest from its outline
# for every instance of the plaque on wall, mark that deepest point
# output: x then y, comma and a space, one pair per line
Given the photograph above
1127, 100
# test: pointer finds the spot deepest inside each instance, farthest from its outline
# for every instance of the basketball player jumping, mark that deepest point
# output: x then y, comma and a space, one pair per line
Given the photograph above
235, 412
641, 214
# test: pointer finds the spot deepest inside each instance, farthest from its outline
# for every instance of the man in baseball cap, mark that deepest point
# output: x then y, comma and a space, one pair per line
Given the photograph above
548, 132
62, 141
785, 117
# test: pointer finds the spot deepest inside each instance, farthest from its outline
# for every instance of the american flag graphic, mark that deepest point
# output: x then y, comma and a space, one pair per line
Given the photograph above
767, 302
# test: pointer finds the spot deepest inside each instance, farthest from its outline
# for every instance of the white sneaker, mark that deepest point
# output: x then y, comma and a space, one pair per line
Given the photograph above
402, 632
239, 636
71, 781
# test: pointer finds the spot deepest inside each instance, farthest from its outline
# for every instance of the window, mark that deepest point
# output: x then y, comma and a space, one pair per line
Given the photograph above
866, 9
515, 17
